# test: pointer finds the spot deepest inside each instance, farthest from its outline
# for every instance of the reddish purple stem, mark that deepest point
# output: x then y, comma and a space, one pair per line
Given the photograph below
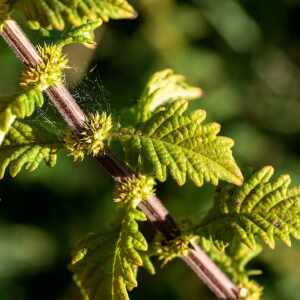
155, 211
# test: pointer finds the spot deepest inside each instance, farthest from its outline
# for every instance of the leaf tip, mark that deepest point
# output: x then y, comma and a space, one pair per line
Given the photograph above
134, 14
238, 177
196, 92
129, 12
239, 180
268, 169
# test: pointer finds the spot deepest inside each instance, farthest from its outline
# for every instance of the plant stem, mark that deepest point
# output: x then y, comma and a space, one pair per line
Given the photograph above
156, 213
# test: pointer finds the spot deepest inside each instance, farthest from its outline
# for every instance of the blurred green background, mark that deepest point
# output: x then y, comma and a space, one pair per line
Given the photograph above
245, 54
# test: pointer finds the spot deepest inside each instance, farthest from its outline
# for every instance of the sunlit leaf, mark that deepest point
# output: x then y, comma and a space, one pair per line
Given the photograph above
259, 208
180, 144
22, 148
105, 265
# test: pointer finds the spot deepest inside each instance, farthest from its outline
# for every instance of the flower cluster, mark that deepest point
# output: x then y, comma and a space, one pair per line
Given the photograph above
177, 247
92, 137
134, 189
49, 71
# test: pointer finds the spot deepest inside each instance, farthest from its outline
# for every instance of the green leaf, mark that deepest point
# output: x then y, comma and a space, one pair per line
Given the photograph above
22, 148
83, 34
179, 143
259, 208
162, 88
105, 266
58, 14
21, 107
233, 260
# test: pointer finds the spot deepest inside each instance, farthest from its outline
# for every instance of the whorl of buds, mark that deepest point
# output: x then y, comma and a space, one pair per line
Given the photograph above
177, 247
250, 290
91, 140
134, 189
49, 71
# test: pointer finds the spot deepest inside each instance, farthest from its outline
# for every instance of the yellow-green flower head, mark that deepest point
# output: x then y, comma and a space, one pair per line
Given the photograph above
73, 145
91, 140
134, 189
49, 71
250, 290
168, 250
96, 131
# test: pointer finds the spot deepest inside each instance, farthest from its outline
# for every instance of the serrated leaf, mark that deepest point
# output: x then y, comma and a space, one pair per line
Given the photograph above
58, 14
20, 107
22, 149
162, 88
83, 34
233, 261
259, 208
180, 144
105, 266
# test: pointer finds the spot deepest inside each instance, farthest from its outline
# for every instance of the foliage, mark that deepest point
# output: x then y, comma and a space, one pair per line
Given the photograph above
180, 143
106, 266
49, 15
34, 80
259, 208
83, 34
163, 88
22, 148
163, 138
233, 261
20, 107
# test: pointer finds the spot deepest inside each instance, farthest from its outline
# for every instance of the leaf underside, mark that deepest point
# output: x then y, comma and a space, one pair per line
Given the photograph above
233, 261
21, 107
163, 88
179, 143
58, 14
22, 149
259, 208
105, 266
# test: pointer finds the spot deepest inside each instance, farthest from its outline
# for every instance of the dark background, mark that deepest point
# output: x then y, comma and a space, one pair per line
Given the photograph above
246, 57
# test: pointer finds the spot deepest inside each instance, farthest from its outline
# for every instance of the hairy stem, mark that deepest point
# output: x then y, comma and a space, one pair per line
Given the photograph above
155, 211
